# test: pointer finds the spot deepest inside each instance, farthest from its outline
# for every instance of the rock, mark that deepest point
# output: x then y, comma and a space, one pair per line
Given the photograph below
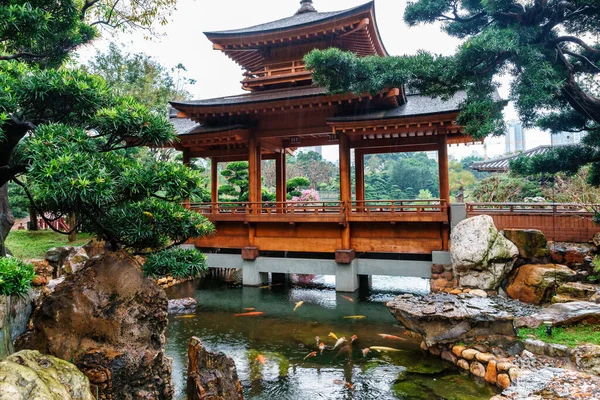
503, 381
562, 314
596, 239
110, 321
437, 268
14, 317
211, 376
457, 350
534, 346
577, 290
481, 256
533, 282
464, 364
29, 375
571, 253
187, 305
443, 318
56, 255
95, 247
446, 355
530, 242
587, 358
54, 283
477, 369
504, 366
484, 357
556, 350
74, 261
469, 354
43, 272
491, 374
513, 373
478, 293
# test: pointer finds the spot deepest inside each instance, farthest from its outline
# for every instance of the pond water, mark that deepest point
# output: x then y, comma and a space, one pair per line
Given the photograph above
284, 338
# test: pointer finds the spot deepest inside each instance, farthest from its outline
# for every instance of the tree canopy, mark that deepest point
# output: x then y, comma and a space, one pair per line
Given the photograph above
551, 48
71, 135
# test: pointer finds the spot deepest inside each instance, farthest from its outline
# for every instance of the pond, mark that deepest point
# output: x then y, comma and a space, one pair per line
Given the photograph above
285, 337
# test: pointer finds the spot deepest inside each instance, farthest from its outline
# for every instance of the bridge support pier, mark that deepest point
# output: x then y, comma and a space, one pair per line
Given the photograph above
365, 282
346, 277
251, 276
281, 278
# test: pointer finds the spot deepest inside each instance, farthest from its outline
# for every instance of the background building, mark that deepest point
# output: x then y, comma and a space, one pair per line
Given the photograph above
515, 138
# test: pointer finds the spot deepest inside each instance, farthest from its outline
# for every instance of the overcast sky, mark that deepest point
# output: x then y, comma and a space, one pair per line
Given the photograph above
183, 42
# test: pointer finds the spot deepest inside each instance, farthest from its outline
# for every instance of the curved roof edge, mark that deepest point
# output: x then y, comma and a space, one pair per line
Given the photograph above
289, 23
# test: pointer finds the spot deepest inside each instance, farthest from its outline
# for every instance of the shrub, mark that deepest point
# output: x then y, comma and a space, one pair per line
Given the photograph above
178, 262
15, 276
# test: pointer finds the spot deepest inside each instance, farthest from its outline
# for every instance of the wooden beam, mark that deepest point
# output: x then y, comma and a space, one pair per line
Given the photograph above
359, 172
345, 190
443, 168
393, 142
214, 181
401, 149
252, 173
280, 181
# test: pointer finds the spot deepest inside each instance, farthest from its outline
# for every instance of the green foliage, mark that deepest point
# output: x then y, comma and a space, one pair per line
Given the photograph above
19, 203
15, 276
504, 188
27, 245
140, 76
236, 174
571, 336
295, 185
176, 262
551, 48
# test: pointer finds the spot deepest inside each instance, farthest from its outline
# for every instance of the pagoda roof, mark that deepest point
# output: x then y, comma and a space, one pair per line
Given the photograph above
183, 125
293, 22
502, 164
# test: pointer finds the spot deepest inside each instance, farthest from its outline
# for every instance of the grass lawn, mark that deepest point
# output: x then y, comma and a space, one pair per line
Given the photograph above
30, 244
570, 336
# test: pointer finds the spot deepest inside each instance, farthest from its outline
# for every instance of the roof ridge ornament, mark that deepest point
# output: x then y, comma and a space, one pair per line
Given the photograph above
305, 7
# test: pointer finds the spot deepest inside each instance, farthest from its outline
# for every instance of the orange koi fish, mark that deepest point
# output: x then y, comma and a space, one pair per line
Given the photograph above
333, 335
186, 316
350, 299
261, 359
249, 309
318, 339
349, 385
386, 336
321, 347
365, 351
311, 354
250, 314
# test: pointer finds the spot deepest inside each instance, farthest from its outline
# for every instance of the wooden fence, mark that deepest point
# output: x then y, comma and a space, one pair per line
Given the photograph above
558, 221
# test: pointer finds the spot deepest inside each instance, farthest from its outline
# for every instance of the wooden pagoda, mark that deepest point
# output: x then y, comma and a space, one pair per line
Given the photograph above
282, 110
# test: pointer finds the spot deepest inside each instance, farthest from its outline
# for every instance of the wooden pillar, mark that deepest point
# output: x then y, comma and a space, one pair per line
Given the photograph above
345, 198
258, 173
252, 175
280, 181
214, 185
359, 172
444, 183
186, 162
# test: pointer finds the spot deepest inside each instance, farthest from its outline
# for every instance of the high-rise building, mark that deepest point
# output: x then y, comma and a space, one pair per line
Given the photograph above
565, 138
514, 138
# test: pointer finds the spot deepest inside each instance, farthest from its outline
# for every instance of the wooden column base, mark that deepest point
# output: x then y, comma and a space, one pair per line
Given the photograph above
250, 253
344, 256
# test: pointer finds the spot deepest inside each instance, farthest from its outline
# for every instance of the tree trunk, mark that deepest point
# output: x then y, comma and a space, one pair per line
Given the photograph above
33, 219
72, 222
6, 218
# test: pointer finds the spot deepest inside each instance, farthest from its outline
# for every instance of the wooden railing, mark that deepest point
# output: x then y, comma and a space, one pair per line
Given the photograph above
286, 68
398, 206
563, 222
532, 208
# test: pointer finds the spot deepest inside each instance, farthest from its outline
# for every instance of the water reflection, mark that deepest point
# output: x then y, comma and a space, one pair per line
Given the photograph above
284, 337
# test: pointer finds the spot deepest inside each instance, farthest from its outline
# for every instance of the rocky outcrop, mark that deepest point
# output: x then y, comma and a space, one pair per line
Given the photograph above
14, 316
571, 253
74, 261
43, 272
531, 243
445, 318
56, 255
110, 321
562, 314
29, 375
211, 376
587, 358
533, 283
575, 291
481, 256
187, 305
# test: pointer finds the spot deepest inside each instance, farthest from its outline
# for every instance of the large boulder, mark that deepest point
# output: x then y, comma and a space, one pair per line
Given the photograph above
210, 375
575, 291
110, 321
445, 318
562, 314
186, 305
56, 255
75, 261
29, 375
530, 242
481, 256
533, 283
587, 358
571, 253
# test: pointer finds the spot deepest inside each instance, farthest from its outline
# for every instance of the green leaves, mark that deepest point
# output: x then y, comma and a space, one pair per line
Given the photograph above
15, 276
176, 262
